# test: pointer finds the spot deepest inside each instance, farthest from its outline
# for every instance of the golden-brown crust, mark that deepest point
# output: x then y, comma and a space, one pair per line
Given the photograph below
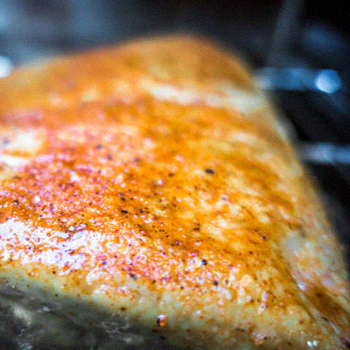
168, 203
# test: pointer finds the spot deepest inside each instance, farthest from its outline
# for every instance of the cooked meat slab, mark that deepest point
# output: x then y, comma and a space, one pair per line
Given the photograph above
149, 192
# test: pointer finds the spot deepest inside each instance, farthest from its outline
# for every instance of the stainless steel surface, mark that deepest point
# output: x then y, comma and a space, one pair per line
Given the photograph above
324, 153
299, 79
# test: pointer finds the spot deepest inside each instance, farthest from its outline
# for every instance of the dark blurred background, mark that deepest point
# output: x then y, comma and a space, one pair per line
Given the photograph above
33, 28
299, 51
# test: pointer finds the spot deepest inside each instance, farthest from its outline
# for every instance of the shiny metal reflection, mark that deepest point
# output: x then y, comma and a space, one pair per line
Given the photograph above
6, 66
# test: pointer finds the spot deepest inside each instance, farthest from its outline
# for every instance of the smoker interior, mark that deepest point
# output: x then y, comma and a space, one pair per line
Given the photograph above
281, 34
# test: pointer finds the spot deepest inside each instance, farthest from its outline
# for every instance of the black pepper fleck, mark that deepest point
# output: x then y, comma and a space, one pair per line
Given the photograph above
215, 282
124, 211
133, 276
209, 171
204, 262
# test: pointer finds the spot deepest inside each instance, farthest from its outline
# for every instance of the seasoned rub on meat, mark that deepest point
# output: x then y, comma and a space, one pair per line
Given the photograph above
148, 191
